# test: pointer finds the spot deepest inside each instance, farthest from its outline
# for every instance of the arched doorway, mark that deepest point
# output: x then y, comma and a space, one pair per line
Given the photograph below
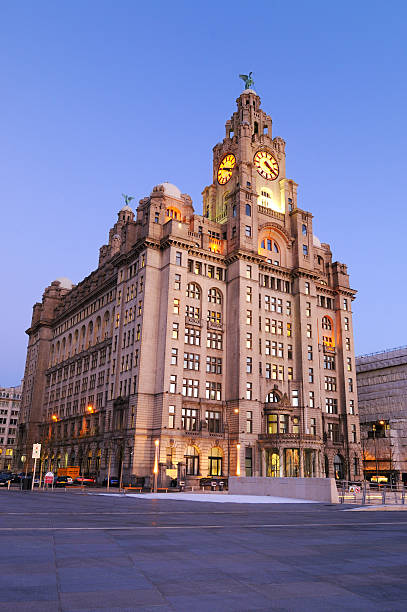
339, 468
272, 463
215, 461
192, 461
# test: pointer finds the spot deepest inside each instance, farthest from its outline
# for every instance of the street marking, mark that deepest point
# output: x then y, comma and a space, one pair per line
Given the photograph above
144, 527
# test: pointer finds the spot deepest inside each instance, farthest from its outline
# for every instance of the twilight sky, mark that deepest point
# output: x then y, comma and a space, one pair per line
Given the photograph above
102, 97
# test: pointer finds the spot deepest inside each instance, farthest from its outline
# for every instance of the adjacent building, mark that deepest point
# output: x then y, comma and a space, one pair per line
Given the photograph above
221, 341
382, 391
10, 399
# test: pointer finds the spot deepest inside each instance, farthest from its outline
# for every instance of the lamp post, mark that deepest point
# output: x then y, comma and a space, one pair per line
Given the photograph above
155, 470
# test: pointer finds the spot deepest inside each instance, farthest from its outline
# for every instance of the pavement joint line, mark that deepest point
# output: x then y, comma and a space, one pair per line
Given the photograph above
189, 527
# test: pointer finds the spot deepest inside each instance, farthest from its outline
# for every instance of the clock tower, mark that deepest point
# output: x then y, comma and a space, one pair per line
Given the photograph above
248, 175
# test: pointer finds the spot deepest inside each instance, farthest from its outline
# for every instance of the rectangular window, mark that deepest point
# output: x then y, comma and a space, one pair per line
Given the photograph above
309, 353
190, 387
191, 361
345, 304
313, 427
193, 336
308, 309
351, 406
307, 288
189, 419
331, 405
249, 390
177, 282
248, 231
346, 323
171, 417
214, 340
248, 294
249, 365
289, 330
310, 375
267, 349
176, 306
214, 365
248, 271
213, 420
249, 340
213, 390
349, 364
290, 374
248, 317
330, 383
178, 258
309, 330
347, 344
249, 421
305, 249
173, 383
311, 399
175, 331
329, 362
288, 308
354, 434
350, 385
295, 397
289, 351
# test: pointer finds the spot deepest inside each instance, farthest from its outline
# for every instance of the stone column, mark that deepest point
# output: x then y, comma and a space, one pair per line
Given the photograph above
301, 458
281, 456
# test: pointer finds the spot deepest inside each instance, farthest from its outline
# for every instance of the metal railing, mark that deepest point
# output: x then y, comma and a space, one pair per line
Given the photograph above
365, 493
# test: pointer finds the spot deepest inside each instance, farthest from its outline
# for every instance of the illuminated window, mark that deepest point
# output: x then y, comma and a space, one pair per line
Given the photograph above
349, 364
175, 330
176, 306
173, 213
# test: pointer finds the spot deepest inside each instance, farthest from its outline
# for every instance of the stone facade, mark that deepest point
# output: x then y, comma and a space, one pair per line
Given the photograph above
382, 392
10, 399
227, 336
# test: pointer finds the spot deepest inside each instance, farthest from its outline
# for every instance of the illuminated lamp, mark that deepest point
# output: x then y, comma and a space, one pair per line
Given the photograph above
54, 417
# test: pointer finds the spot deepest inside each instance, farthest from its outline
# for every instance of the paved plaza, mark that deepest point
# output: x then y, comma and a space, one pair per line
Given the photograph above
71, 551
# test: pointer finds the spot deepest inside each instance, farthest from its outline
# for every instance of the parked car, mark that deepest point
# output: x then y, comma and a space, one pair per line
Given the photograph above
86, 481
113, 482
63, 481
5, 477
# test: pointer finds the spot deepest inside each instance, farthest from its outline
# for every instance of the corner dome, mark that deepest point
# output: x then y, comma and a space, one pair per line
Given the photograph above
64, 282
316, 241
126, 208
170, 190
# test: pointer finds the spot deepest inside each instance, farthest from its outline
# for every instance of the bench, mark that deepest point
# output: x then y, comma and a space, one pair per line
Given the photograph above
139, 489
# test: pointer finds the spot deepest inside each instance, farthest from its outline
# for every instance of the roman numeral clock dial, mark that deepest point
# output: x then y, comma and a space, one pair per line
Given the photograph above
226, 168
266, 165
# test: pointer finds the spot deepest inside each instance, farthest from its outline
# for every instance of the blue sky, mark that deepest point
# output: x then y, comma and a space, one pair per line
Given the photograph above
103, 97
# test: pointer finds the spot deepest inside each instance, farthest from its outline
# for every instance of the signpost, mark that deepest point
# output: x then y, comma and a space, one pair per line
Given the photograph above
36, 454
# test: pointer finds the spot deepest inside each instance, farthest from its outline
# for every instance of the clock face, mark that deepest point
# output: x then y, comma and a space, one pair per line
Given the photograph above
225, 169
266, 165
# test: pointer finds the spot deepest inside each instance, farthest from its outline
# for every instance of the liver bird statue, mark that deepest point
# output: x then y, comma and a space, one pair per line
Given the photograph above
248, 81
127, 198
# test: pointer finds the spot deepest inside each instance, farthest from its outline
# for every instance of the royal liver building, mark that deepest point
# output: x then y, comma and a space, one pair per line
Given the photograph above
226, 337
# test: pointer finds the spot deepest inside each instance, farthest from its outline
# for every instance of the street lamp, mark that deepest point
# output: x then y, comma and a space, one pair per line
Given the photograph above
155, 470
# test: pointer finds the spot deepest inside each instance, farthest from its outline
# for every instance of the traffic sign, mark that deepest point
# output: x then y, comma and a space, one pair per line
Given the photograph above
49, 478
36, 451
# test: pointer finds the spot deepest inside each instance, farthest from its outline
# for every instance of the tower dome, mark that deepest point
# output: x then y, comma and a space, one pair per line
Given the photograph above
170, 190
65, 283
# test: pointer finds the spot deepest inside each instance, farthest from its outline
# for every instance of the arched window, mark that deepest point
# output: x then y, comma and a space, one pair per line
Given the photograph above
192, 461
98, 329
248, 210
304, 229
215, 461
328, 337
105, 330
327, 323
193, 291
63, 349
272, 397
173, 213
90, 334
214, 296
269, 247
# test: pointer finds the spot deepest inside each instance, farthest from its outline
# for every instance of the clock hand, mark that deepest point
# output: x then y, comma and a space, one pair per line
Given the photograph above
268, 166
